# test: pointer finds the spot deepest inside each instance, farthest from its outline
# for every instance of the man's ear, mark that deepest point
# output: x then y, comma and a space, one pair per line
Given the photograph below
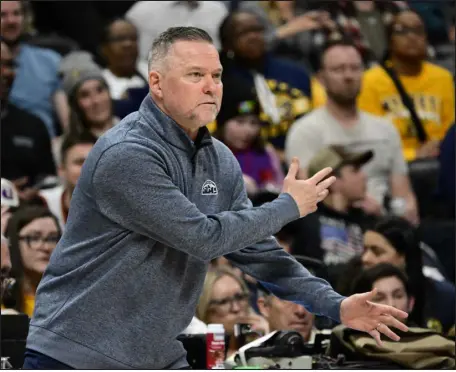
263, 307
154, 84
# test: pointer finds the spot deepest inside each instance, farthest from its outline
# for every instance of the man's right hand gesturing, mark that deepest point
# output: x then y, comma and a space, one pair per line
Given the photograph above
307, 193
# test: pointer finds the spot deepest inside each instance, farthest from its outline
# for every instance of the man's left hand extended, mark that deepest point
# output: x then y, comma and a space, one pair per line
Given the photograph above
358, 312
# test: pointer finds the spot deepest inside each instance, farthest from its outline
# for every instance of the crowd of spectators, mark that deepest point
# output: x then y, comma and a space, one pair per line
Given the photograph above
365, 87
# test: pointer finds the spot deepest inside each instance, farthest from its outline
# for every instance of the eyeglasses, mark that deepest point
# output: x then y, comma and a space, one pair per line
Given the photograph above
404, 30
225, 305
34, 241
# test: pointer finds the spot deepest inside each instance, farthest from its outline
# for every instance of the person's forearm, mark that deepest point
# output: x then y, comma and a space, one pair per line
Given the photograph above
145, 200
287, 279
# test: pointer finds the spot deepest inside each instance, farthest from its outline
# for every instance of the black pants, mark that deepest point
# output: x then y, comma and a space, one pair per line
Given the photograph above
35, 360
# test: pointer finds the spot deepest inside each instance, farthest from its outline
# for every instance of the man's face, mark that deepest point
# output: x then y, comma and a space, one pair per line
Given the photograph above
341, 73
391, 291
409, 37
71, 168
248, 37
286, 316
7, 71
189, 87
121, 48
352, 183
12, 21
6, 265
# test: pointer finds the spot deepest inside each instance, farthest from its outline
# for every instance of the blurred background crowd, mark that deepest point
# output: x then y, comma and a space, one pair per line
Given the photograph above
366, 87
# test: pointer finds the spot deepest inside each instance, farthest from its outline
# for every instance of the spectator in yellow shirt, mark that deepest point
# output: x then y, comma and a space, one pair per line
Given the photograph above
430, 87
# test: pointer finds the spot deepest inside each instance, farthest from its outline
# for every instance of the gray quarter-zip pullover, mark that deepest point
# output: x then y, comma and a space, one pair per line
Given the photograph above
149, 212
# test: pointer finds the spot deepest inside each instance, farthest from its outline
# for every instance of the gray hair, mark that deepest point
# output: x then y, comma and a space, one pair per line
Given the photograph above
164, 41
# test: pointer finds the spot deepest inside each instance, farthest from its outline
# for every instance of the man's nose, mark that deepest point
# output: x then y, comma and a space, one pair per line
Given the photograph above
209, 85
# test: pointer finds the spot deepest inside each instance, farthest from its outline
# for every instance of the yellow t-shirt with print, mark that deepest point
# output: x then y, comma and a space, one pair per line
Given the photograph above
432, 92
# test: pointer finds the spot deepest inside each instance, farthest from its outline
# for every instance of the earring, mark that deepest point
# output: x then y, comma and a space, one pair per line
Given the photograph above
230, 54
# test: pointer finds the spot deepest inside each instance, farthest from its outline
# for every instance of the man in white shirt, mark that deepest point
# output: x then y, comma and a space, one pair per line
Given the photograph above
340, 123
74, 151
153, 17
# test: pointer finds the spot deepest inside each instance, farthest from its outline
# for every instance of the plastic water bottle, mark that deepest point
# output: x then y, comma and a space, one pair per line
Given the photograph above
215, 346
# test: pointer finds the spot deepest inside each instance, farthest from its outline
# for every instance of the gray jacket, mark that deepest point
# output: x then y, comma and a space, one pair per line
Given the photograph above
149, 212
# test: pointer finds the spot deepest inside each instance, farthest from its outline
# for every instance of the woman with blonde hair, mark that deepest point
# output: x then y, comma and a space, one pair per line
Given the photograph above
225, 300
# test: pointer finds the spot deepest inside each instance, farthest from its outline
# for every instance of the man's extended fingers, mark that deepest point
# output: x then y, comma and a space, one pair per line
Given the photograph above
393, 322
385, 309
325, 184
322, 195
383, 328
317, 177
376, 336
294, 168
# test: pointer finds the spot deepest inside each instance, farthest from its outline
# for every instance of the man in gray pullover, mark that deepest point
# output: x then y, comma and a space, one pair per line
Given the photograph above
156, 201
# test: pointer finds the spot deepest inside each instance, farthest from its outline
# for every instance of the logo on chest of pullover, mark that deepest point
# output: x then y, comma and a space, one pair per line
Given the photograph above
209, 188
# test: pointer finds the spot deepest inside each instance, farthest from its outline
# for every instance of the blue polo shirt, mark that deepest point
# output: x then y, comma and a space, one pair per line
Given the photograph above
36, 82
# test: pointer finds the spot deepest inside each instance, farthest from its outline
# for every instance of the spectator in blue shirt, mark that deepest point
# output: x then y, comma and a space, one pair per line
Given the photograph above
36, 88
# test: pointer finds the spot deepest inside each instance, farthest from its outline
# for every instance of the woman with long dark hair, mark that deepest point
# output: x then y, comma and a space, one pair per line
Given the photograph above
394, 240
33, 232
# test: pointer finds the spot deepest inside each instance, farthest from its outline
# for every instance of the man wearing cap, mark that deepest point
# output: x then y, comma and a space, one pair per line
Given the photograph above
334, 234
37, 87
339, 122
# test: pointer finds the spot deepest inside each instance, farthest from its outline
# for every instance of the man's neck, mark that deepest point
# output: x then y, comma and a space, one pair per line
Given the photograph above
347, 115
337, 202
407, 67
192, 133
122, 73
14, 47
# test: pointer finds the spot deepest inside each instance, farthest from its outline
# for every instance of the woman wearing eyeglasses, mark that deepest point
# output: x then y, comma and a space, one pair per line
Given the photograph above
225, 300
33, 233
